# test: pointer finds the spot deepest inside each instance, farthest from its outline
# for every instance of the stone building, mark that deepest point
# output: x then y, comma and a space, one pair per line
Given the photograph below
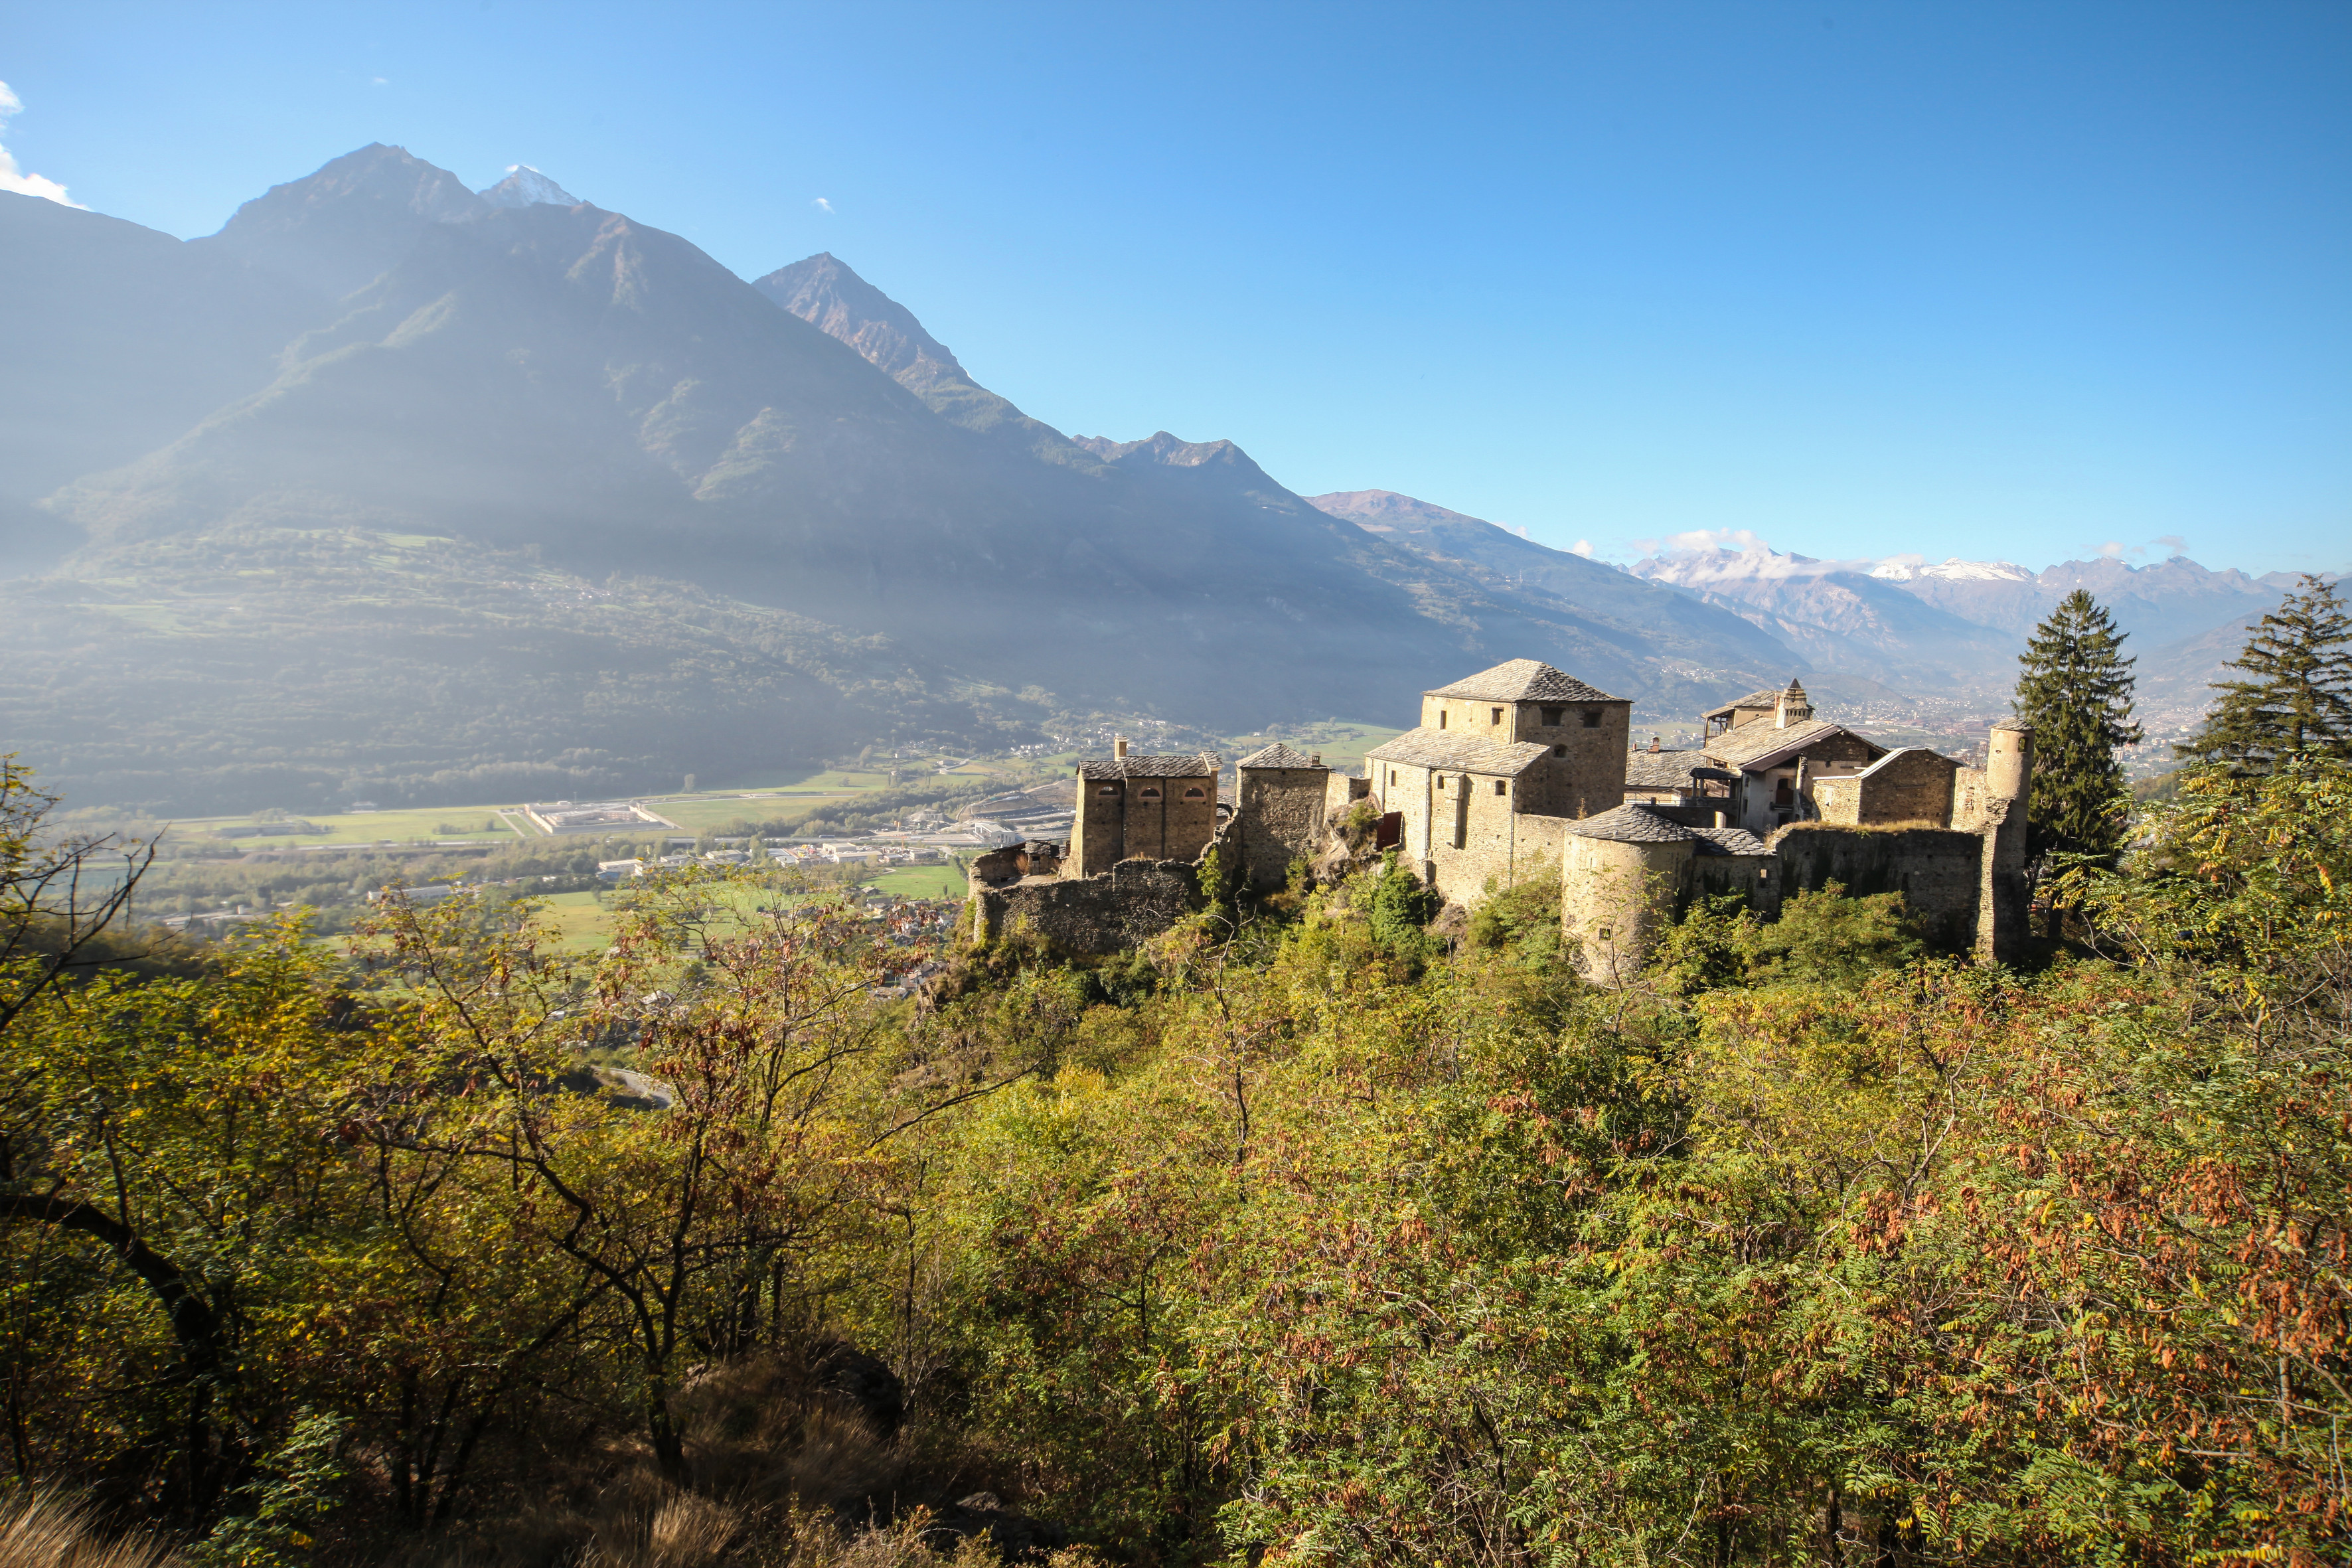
1279, 801
1483, 787
1142, 807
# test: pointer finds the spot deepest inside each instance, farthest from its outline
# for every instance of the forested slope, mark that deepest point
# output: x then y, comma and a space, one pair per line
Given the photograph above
1303, 1234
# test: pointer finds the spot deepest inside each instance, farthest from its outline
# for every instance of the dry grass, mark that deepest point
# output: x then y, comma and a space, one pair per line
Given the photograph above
42, 1529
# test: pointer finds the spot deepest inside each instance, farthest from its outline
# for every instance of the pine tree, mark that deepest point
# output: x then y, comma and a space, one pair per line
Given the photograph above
2076, 693
2297, 697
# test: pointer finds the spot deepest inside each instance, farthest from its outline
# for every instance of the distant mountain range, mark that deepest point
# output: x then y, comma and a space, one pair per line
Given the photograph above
376, 354
1958, 626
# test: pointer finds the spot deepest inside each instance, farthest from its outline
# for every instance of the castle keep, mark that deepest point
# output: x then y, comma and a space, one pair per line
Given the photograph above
1523, 770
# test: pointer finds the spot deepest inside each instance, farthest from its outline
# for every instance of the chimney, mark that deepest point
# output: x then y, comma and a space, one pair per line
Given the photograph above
1119, 745
1795, 707
1315, 761
1654, 742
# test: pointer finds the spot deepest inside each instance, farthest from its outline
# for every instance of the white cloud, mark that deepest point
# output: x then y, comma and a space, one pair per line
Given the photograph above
378, 80
1581, 547
2112, 549
12, 178
822, 205
2173, 544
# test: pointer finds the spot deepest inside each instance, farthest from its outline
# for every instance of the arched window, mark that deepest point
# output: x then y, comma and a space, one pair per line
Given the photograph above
1196, 792
1151, 791
1108, 789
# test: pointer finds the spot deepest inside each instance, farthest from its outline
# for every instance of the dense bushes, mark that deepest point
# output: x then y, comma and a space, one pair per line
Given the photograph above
1293, 1237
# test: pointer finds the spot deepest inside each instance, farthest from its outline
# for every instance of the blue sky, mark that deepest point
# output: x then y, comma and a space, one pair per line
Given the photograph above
1990, 280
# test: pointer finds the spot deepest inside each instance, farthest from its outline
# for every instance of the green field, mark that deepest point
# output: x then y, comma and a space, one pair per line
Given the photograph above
469, 822
923, 882
583, 925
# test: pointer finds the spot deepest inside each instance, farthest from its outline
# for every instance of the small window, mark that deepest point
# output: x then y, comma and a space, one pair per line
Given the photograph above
1560, 750
1500, 788
1196, 792
1151, 791
1551, 718
1592, 717
1108, 789
1494, 716
1391, 775
1441, 718
1440, 781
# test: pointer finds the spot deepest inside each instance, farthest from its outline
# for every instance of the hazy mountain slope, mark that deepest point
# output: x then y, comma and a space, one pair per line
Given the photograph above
824, 292
1623, 634
1682, 629
229, 670
115, 339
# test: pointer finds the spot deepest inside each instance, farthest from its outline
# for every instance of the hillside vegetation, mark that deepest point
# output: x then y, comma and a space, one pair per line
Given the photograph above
1301, 1234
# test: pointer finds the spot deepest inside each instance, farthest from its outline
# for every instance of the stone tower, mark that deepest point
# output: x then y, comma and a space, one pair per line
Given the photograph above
2002, 898
1620, 873
1278, 801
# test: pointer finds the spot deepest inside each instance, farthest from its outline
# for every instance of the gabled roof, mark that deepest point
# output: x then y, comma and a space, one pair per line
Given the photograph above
1752, 747
1278, 756
1452, 751
1662, 769
1768, 696
1138, 766
1899, 751
1632, 824
1524, 680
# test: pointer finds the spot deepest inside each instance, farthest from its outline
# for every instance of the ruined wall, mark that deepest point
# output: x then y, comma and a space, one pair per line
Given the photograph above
1914, 784
1131, 903
1280, 812
1939, 872
1969, 798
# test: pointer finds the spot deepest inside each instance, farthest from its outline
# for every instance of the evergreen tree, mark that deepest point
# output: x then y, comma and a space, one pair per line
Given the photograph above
2297, 698
2076, 693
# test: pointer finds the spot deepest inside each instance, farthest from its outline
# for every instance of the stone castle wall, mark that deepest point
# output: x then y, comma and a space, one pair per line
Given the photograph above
1939, 872
1131, 903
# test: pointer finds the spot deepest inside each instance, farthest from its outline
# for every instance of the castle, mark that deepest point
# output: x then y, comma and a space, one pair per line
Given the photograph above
1523, 770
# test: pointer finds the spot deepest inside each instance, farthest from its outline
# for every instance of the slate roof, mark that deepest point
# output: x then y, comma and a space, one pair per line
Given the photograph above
1728, 841
1768, 696
1632, 824
1456, 752
1662, 769
1138, 765
1278, 756
1524, 680
1762, 745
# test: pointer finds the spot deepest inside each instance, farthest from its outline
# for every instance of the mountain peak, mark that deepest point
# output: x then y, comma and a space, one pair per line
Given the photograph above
821, 291
1910, 568
340, 226
525, 186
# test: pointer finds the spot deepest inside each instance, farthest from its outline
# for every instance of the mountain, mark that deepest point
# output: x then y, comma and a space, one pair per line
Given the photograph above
117, 339
1492, 554
1843, 619
525, 185
823, 292
2161, 602
561, 386
337, 229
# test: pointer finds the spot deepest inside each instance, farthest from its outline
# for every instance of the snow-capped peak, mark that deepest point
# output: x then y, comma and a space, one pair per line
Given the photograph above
524, 187
1909, 569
